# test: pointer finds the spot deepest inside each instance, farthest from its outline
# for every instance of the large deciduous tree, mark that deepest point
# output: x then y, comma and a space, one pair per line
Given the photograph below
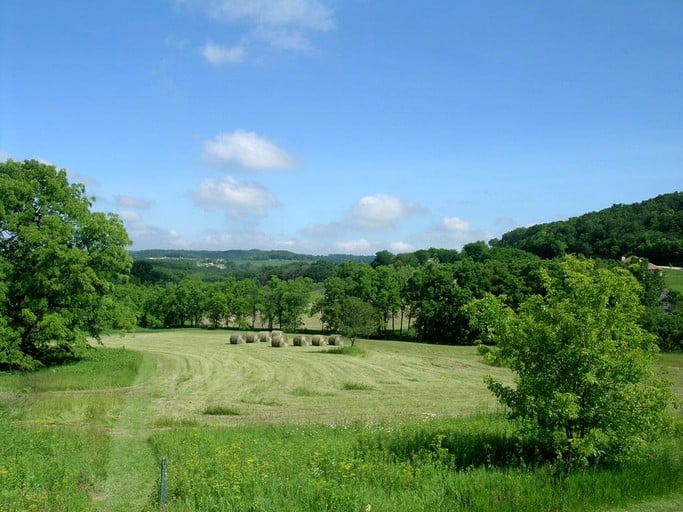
58, 261
585, 374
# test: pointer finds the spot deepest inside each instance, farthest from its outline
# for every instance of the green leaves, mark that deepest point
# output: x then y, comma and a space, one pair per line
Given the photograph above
57, 260
585, 369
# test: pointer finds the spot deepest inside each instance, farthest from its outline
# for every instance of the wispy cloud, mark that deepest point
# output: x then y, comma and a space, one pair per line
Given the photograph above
301, 14
359, 246
133, 202
323, 230
146, 236
246, 150
287, 25
217, 54
238, 199
454, 231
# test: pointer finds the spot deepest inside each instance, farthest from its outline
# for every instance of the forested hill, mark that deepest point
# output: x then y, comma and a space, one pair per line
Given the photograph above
652, 229
238, 255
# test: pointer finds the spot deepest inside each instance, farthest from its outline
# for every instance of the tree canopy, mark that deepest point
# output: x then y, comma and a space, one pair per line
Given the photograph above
58, 260
652, 229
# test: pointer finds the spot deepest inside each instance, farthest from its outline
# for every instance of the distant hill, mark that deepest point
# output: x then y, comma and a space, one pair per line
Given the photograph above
243, 255
652, 229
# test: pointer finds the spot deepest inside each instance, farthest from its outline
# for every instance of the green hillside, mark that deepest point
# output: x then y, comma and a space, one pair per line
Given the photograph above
652, 229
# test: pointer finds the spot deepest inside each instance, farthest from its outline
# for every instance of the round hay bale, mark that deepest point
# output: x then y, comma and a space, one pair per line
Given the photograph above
252, 337
300, 341
318, 341
336, 340
264, 336
278, 340
236, 339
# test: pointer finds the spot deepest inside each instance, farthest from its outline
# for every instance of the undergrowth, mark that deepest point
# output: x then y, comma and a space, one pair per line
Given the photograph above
473, 464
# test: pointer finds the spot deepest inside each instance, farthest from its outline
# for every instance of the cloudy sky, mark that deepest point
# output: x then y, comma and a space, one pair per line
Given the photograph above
326, 126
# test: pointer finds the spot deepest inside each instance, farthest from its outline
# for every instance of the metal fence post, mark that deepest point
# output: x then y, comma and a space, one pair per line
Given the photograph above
164, 478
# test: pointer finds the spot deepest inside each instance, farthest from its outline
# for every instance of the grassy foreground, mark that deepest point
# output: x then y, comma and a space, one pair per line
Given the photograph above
398, 426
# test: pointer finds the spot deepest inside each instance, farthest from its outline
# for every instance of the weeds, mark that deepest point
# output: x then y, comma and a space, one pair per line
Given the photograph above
221, 410
434, 465
355, 386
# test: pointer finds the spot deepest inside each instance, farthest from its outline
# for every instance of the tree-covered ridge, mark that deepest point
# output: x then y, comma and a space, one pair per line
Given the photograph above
244, 255
652, 229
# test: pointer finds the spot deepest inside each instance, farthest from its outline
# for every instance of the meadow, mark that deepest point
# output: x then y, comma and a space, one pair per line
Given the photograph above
388, 426
673, 279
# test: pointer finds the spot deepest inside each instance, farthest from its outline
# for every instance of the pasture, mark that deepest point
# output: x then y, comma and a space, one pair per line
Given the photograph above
673, 278
397, 426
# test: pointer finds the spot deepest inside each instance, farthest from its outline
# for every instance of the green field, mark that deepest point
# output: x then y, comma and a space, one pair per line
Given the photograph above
398, 426
673, 279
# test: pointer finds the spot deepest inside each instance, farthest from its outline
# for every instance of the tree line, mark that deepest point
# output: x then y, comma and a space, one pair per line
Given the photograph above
65, 276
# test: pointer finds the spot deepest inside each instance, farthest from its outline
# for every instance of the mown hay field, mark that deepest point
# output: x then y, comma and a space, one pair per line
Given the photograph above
390, 381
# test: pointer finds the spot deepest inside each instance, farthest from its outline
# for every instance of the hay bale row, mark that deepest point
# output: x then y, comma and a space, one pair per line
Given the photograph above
278, 339
236, 339
300, 341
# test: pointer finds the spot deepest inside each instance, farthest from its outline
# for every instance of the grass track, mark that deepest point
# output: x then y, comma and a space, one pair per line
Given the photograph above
130, 451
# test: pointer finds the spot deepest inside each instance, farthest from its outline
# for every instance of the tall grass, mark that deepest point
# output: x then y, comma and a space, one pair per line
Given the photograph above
50, 468
54, 447
94, 368
473, 464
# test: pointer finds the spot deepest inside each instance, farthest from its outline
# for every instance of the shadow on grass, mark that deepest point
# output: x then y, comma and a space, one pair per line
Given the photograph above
353, 350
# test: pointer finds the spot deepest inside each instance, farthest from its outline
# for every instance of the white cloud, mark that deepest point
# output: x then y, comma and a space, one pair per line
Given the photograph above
381, 211
246, 150
399, 247
237, 199
456, 225
217, 54
360, 246
133, 202
305, 14
454, 232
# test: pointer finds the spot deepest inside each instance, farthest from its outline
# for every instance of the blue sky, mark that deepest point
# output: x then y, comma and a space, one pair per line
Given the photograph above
327, 126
